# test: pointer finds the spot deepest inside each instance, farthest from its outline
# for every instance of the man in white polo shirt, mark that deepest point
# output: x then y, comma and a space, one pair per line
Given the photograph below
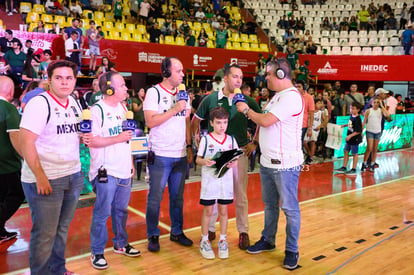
280, 163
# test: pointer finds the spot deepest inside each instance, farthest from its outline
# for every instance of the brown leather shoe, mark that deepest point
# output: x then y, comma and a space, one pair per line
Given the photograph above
211, 235
244, 241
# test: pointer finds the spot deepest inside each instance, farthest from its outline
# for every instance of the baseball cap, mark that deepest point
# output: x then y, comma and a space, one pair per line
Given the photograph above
381, 91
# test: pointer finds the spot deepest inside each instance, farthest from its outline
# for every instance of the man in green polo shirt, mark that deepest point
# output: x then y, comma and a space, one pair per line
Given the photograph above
237, 127
303, 73
11, 192
96, 93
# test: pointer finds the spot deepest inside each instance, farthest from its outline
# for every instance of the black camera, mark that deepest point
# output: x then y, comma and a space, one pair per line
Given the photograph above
102, 175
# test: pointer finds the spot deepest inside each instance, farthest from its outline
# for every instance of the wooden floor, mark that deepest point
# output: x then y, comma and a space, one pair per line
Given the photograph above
365, 231
356, 225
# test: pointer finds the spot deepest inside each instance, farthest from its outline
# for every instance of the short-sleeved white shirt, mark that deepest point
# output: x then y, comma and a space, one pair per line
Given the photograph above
58, 139
281, 143
115, 158
169, 138
144, 9
213, 188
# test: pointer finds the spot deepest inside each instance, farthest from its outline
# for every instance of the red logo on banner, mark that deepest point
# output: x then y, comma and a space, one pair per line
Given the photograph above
110, 53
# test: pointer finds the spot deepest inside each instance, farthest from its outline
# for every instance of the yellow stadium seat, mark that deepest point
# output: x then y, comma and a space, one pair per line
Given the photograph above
236, 16
119, 26
235, 9
235, 37
254, 47
136, 36
145, 38
32, 26
38, 8
115, 35
253, 38
61, 20
126, 11
160, 21
210, 44
32, 17
264, 47
107, 8
244, 37
245, 46
210, 34
141, 29
228, 45
88, 14
179, 41
48, 26
169, 40
98, 15
108, 25
25, 7
178, 22
130, 28
126, 36
47, 18
161, 40
85, 24
236, 46
164, 8
197, 26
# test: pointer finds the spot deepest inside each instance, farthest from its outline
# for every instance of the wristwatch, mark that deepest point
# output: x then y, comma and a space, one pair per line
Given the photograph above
245, 111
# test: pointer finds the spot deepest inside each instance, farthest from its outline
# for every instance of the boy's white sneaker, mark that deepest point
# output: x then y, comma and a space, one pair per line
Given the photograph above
223, 249
206, 250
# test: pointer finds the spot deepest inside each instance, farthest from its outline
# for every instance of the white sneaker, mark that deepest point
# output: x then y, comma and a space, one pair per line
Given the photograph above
223, 248
10, 14
206, 250
14, 10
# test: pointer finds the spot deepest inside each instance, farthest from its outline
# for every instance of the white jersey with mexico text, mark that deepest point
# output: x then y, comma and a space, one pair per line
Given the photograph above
115, 158
281, 143
169, 138
213, 188
57, 127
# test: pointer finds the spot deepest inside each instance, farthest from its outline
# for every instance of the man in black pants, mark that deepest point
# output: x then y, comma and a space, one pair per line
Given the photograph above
11, 192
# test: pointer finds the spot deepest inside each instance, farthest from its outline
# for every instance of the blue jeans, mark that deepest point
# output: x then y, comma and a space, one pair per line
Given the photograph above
112, 199
281, 185
51, 216
171, 170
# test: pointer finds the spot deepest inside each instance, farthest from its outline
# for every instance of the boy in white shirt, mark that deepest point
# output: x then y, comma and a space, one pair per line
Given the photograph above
319, 119
212, 188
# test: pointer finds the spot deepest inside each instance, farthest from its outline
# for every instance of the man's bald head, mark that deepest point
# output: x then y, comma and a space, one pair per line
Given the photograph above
6, 87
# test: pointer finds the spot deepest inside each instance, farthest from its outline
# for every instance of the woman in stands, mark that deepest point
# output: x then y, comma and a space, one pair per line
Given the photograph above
353, 24
202, 38
311, 47
106, 66
40, 27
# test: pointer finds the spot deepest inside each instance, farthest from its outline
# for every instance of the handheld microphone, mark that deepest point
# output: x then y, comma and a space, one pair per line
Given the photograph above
129, 124
85, 126
182, 93
238, 96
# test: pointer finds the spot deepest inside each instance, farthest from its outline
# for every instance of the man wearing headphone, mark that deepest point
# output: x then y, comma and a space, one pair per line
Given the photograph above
280, 164
111, 169
168, 117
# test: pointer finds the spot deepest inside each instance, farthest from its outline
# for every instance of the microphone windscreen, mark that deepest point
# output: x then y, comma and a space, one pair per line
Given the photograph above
129, 115
181, 87
86, 114
237, 91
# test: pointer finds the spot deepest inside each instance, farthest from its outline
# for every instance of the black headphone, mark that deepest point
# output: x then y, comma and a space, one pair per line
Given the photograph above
280, 73
165, 67
109, 89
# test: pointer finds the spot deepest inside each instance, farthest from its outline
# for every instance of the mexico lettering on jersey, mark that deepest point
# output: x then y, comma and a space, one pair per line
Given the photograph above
57, 127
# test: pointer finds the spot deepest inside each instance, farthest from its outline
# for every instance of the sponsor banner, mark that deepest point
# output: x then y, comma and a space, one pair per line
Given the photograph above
397, 134
40, 40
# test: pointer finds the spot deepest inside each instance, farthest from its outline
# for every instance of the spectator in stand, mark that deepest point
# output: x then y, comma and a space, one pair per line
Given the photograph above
144, 11
400, 104
73, 50
106, 66
96, 93
403, 16
293, 59
344, 25
190, 39
369, 97
75, 9
292, 22
137, 103
260, 71
98, 5
11, 6
337, 104
80, 39
185, 28
215, 24
200, 15
308, 111
117, 8
353, 96
391, 22
326, 25
100, 32
363, 16
407, 38
27, 45
221, 37
353, 24
372, 9
16, 58
6, 42
4, 66
28, 72
288, 36
94, 50
300, 24
154, 33
303, 72
202, 38
134, 9
326, 95
33, 89
283, 23
263, 99
319, 121
40, 27
85, 4
334, 25
380, 19
372, 23
311, 47
53, 7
